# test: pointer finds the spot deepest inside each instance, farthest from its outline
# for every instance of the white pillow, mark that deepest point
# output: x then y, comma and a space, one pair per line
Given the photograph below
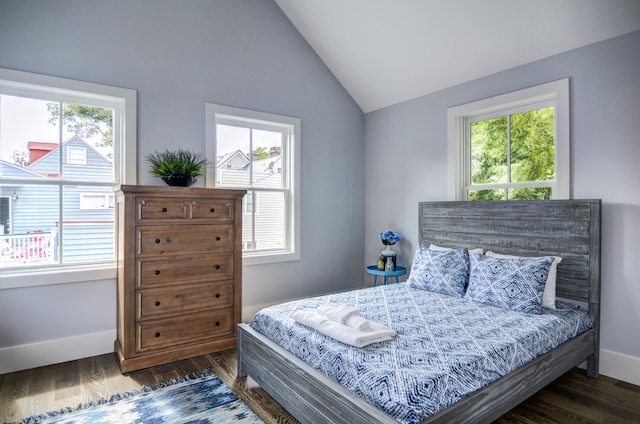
434, 247
549, 295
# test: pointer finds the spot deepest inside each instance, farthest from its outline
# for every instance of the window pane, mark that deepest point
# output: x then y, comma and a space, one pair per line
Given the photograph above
486, 195
30, 140
267, 159
88, 152
29, 217
533, 145
489, 151
27, 138
232, 162
88, 225
540, 193
269, 210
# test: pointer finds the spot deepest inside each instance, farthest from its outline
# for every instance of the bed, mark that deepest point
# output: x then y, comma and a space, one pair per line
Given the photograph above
566, 228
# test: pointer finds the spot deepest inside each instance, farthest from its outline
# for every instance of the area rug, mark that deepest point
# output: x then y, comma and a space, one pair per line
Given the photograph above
198, 398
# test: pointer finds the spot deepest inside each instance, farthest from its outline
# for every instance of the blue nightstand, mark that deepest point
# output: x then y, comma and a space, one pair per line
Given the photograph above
373, 269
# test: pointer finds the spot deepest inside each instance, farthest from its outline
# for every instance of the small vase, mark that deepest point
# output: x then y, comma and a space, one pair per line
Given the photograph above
388, 251
389, 258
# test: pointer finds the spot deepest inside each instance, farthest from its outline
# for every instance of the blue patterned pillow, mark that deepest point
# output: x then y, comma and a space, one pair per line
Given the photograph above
445, 272
515, 284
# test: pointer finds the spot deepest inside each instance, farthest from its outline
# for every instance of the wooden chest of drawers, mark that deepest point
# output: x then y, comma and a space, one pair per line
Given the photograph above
179, 273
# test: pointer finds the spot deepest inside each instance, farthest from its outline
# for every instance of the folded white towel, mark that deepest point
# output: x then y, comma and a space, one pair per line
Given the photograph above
356, 321
338, 312
343, 333
344, 314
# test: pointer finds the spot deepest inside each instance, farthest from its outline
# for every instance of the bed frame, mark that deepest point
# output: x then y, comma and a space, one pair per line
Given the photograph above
566, 228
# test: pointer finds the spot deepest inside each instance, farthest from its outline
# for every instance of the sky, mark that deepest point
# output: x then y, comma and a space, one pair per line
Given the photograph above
23, 120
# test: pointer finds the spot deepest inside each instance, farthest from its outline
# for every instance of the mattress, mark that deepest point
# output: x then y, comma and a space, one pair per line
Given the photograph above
445, 349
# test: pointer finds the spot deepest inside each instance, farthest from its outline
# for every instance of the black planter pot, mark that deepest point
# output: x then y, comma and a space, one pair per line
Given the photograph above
179, 181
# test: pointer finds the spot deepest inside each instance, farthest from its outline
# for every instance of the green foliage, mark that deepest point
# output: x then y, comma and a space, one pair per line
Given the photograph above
85, 121
174, 163
261, 153
514, 148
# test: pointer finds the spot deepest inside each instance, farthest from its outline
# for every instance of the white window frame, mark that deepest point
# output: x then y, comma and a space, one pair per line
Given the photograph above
554, 94
214, 114
124, 102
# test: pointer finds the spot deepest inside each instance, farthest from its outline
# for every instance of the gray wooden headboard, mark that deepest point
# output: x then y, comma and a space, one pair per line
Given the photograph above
566, 228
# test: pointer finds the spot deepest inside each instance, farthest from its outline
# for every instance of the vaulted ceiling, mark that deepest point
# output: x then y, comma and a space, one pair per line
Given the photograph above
388, 51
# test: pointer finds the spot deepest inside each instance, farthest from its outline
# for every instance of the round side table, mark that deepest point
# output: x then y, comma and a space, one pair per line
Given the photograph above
373, 269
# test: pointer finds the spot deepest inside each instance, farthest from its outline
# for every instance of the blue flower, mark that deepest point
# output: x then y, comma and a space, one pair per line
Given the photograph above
388, 237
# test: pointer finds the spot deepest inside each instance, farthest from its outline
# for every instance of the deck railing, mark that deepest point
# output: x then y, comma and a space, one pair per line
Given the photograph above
36, 247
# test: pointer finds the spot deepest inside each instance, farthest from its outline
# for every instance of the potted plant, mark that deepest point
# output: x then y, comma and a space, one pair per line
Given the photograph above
177, 167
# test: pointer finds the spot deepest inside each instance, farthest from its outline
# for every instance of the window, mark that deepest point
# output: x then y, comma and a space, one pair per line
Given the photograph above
258, 152
64, 147
77, 155
510, 147
96, 201
250, 204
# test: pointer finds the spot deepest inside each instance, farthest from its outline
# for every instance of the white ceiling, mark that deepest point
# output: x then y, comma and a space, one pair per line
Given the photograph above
387, 51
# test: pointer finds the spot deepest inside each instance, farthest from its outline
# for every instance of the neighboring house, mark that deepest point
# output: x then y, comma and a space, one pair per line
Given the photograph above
30, 214
233, 160
266, 207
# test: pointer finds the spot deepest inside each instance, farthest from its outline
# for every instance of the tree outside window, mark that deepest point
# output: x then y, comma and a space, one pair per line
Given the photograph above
514, 146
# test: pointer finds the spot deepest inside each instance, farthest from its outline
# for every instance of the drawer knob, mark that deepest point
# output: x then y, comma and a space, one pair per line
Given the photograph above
157, 272
157, 303
217, 323
164, 210
217, 238
157, 334
212, 210
157, 241
217, 266
217, 295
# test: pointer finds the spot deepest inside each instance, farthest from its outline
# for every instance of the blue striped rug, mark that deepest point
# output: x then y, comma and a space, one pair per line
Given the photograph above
198, 398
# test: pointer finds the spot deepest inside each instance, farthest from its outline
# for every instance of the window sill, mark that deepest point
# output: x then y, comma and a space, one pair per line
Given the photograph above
269, 257
46, 277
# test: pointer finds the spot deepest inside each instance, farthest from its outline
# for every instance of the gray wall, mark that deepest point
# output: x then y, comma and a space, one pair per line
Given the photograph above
406, 162
179, 55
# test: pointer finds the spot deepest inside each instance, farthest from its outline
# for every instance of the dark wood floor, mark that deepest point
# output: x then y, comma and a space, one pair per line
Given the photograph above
573, 398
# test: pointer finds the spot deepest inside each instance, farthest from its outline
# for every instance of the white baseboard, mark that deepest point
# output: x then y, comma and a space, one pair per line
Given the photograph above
620, 366
16, 358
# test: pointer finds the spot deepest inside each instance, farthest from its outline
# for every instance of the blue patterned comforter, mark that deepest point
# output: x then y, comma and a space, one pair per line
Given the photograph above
446, 347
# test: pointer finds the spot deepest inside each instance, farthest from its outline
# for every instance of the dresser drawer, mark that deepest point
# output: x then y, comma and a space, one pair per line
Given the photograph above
184, 240
170, 301
212, 210
152, 273
152, 209
184, 329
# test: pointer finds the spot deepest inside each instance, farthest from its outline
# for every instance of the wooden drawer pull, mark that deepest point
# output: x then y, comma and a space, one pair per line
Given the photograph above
217, 295
157, 272
157, 303
157, 241
212, 210
164, 210
217, 238
157, 334
217, 323
217, 266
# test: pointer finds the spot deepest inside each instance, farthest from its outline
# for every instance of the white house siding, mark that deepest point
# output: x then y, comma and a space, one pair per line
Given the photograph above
270, 213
